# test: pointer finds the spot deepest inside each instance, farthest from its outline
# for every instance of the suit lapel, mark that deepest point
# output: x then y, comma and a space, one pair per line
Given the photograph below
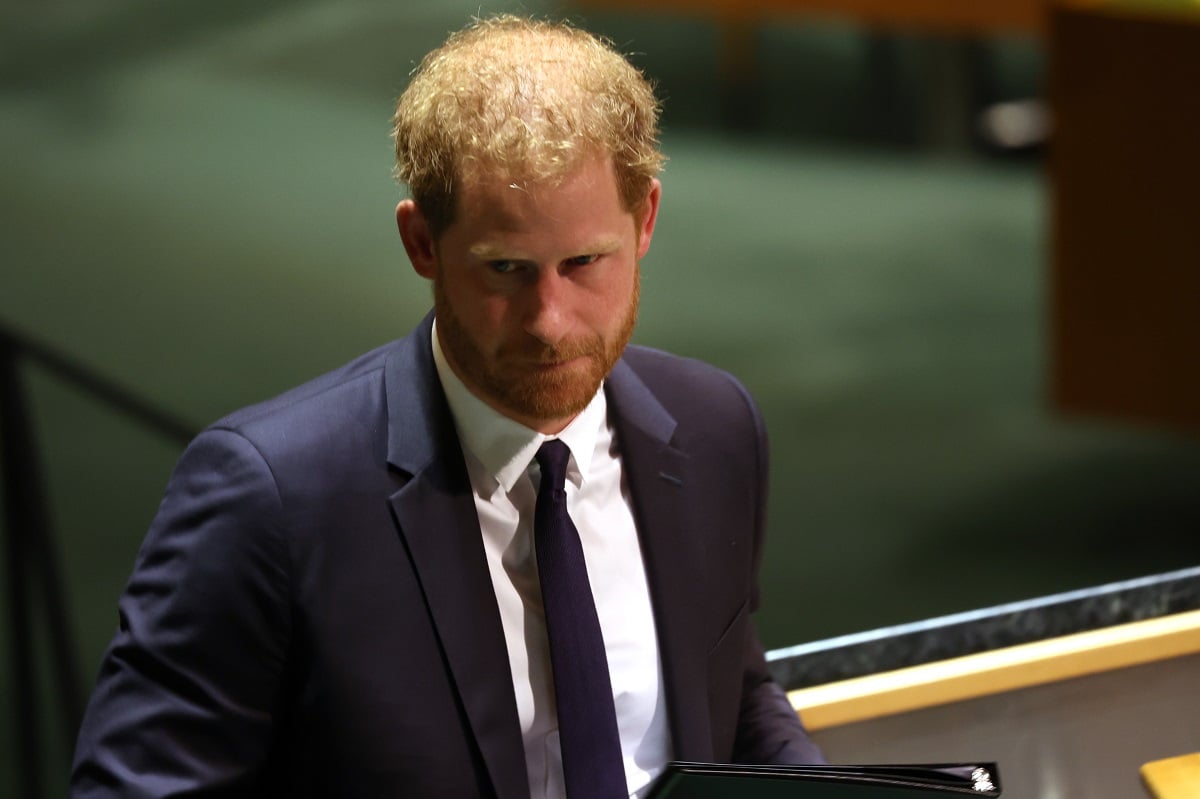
658, 477
437, 519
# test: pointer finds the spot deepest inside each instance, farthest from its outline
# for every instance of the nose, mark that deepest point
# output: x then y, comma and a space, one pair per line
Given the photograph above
547, 316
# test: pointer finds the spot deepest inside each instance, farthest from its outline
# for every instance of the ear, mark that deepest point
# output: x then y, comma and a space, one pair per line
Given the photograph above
646, 217
418, 240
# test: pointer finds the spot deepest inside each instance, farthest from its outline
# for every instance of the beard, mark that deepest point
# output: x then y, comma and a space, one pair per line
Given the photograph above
514, 379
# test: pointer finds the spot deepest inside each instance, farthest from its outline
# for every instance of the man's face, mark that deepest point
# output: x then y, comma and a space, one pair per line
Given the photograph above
536, 289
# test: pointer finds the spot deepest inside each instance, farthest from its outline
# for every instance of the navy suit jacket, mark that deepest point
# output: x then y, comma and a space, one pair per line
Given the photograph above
311, 613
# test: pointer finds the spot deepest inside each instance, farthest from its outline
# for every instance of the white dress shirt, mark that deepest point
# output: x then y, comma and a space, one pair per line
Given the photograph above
499, 455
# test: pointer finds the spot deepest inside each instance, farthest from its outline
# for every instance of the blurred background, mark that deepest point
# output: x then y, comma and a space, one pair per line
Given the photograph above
197, 207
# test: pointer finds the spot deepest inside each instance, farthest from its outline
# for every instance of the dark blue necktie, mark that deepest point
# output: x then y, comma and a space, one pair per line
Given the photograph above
587, 720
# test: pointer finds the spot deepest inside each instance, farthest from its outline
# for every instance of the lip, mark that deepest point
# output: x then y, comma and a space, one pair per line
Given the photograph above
553, 366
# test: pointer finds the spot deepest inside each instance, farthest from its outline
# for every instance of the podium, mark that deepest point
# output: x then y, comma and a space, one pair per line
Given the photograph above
1173, 777
1063, 714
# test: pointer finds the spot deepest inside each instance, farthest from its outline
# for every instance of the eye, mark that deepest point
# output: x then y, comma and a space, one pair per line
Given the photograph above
582, 260
502, 267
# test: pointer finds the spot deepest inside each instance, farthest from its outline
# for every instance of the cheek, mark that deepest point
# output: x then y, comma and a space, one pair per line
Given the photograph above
478, 311
496, 314
608, 309
494, 324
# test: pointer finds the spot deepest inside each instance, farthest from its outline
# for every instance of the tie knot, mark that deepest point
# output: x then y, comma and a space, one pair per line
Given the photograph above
552, 458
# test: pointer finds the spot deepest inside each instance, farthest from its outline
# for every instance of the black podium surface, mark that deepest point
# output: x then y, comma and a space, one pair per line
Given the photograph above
1070, 693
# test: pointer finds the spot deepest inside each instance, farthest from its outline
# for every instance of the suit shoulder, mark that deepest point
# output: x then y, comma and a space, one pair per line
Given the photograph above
669, 375
313, 395
695, 395
340, 409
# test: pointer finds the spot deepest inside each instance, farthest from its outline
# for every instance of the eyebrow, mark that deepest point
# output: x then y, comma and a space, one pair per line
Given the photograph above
489, 252
495, 252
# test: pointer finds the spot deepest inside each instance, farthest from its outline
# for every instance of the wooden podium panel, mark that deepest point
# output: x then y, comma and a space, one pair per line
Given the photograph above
1173, 777
1125, 172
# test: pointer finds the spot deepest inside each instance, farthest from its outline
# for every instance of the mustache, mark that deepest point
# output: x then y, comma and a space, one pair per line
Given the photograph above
547, 354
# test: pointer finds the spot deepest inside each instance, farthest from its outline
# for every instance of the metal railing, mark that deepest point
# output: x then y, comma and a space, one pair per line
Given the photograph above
36, 590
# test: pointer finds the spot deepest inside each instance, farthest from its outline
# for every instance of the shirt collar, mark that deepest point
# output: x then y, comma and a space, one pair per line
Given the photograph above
505, 447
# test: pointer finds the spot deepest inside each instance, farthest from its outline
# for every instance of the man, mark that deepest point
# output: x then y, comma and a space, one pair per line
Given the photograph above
345, 591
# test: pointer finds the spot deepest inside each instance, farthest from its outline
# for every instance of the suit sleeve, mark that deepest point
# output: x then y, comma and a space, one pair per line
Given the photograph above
769, 730
187, 690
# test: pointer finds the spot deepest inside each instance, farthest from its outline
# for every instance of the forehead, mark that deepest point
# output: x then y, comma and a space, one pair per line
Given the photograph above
587, 190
